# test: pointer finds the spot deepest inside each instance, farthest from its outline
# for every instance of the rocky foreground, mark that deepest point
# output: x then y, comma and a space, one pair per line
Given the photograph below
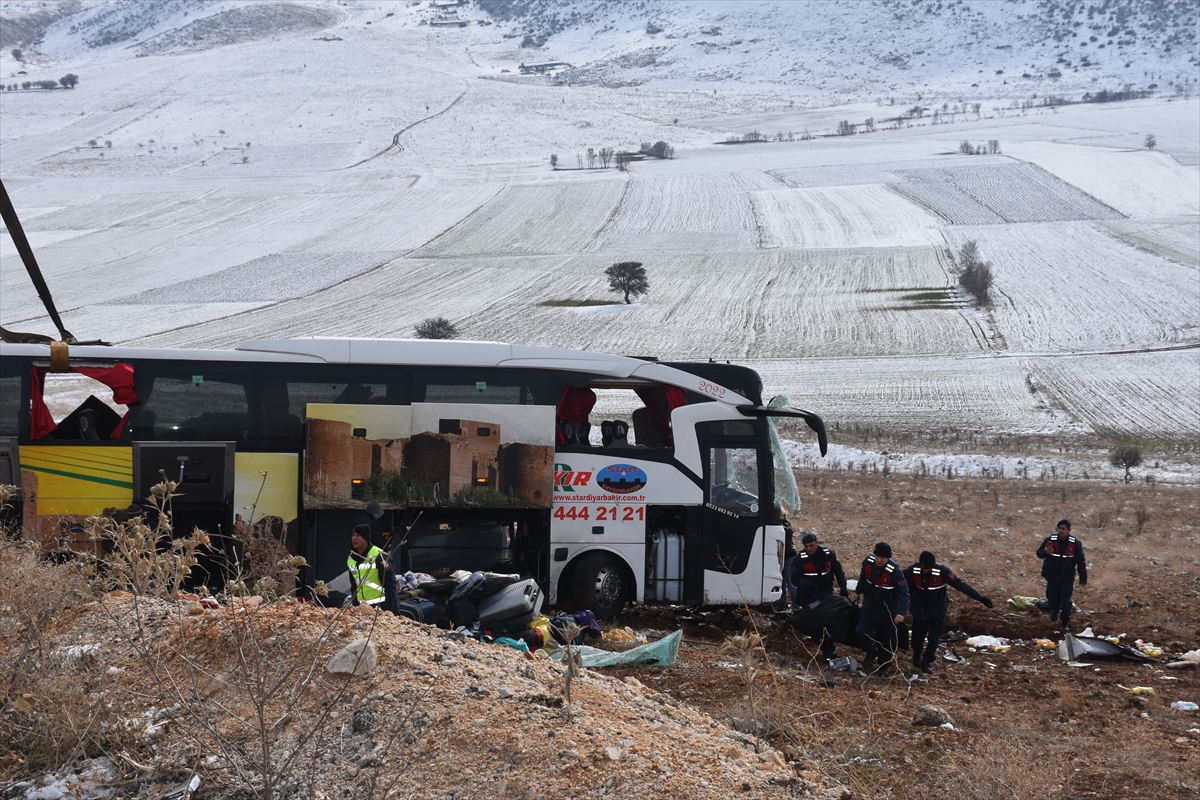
240, 696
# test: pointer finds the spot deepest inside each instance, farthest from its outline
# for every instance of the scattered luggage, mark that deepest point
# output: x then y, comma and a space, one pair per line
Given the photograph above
423, 611
512, 608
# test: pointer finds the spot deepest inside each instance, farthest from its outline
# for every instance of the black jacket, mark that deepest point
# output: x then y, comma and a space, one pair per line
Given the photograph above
929, 598
813, 576
883, 587
1061, 557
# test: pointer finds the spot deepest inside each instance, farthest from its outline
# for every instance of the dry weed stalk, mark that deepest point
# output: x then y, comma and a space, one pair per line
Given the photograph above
144, 560
572, 661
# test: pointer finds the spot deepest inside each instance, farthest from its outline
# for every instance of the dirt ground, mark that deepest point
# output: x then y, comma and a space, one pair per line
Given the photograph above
1059, 732
736, 716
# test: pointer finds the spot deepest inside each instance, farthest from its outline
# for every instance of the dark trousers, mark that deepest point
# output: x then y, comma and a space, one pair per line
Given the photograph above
1058, 595
877, 635
926, 630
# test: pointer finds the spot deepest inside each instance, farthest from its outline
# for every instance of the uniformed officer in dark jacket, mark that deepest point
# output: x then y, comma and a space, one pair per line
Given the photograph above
884, 592
812, 573
814, 570
927, 582
1062, 556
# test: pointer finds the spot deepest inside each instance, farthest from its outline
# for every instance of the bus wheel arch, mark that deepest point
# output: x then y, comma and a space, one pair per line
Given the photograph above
599, 581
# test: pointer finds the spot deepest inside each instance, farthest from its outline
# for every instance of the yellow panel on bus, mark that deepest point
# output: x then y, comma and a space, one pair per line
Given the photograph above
79, 480
266, 485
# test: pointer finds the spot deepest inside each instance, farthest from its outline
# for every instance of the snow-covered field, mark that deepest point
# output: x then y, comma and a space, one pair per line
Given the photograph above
351, 172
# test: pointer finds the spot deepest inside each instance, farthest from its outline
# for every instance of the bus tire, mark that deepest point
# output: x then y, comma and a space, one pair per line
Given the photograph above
601, 585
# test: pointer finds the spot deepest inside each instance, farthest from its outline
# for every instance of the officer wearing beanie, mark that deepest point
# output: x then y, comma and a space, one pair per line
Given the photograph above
927, 582
1062, 556
814, 569
884, 592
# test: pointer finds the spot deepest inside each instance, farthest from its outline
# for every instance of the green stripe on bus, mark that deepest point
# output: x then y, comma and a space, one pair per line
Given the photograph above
77, 476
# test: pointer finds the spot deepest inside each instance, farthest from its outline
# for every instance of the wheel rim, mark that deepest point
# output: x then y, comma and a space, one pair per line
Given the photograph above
608, 586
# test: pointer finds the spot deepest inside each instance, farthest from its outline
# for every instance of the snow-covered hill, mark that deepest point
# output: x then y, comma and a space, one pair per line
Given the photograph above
230, 170
815, 50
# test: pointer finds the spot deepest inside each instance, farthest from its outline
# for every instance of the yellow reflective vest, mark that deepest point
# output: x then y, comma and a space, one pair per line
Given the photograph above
366, 573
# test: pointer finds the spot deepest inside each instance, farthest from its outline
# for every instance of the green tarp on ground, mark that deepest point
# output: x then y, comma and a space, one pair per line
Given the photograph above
654, 654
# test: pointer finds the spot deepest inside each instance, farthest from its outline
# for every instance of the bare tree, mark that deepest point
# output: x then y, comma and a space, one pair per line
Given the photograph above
974, 274
1151, 142
591, 157
553, 161
993, 146
436, 328
622, 160
1126, 458
606, 154
628, 277
69, 80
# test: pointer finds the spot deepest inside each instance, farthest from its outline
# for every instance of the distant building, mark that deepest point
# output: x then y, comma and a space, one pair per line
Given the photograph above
543, 67
449, 22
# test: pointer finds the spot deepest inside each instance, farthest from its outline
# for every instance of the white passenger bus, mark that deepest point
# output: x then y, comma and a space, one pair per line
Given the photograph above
481, 455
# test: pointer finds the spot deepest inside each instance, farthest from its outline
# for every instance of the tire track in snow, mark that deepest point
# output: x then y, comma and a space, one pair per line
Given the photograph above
399, 148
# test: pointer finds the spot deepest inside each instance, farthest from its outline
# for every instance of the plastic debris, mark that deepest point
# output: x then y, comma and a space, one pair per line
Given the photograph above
990, 643
1078, 664
844, 664
1024, 668
1184, 705
625, 634
656, 654
1023, 603
1044, 643
185, 791
1142, 690
1149, 648
1073, 647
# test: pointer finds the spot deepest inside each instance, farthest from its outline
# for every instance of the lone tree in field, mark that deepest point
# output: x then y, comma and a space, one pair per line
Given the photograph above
628, 277
1151, 142
436, 328
1126, 458
974, 274
69, 80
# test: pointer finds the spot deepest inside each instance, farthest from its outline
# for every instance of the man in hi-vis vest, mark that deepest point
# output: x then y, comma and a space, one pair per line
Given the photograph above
371, 578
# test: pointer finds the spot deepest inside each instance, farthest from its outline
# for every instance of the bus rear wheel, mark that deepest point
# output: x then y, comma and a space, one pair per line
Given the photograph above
601, 585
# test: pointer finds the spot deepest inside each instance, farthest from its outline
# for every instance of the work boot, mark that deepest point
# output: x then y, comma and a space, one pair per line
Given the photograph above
927, 668
868, 664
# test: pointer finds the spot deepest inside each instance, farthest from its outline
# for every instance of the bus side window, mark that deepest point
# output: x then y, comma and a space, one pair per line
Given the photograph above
206, 402
10, 404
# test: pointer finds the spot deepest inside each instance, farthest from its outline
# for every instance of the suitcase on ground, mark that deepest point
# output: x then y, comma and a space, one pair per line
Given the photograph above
422, 611
514, 606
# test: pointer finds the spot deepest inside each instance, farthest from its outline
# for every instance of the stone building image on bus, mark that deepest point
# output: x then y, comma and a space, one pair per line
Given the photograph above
343, 466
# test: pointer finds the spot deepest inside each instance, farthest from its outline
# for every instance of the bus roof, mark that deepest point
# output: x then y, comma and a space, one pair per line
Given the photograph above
413, 352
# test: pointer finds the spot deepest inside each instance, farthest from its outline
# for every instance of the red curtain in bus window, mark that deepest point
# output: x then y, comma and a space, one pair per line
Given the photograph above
118, 377
576, 403
660, 402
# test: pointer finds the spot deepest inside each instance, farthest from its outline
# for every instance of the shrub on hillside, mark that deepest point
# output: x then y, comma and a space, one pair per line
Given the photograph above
436, 328
1126, 458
